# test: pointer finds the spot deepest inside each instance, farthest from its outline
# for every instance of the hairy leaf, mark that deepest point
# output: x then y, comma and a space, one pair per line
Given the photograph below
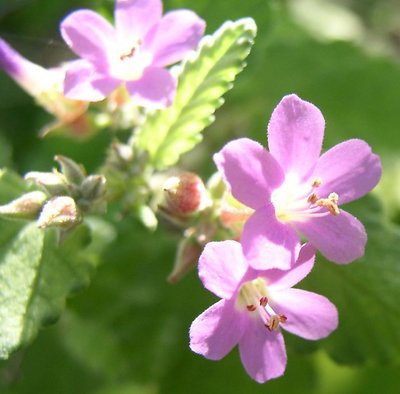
202, 80
36, 274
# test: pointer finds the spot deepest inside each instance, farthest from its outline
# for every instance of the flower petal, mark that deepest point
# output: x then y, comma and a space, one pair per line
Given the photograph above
30, 76
155, 90
12, 62
177, 33
221, 267
134, 18
89, 35
268, 243
82, 82
262, 352
249, 170
284, 279
217, 330
349, 169
309, 315
340, 238
295, 134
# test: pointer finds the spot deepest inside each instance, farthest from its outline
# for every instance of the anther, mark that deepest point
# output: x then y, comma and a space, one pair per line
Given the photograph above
316, 182
274, 322
312, 198
263, 301
128, 54
282, 318
330, 203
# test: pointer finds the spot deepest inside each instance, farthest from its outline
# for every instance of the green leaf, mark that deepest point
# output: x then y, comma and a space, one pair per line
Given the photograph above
366, 293
36, 275
202, 80
12, 186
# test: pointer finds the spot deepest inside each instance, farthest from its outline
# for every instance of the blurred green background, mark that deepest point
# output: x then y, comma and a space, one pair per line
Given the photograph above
128, 332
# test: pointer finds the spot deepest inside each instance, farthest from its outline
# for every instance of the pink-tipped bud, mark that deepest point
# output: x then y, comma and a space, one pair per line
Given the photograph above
185, 194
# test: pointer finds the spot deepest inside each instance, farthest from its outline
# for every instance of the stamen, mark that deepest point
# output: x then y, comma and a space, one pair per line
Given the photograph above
128, 54
263, 301
316, 182
312, 198
282, 318
297, 201
274, 322
253, 296
330, 203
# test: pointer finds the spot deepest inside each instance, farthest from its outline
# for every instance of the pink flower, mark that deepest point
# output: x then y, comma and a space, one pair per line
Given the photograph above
135, 52
45, 85
254, 306
293, 190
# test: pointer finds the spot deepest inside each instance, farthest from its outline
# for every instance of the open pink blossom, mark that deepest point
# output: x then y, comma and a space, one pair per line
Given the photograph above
254, 306
135, 52
295, 191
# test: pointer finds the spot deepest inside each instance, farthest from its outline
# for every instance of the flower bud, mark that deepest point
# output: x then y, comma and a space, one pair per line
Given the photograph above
93, 187
187, 256
52, 182
60, 211
73, 172
185, 194
27, 206
93, 194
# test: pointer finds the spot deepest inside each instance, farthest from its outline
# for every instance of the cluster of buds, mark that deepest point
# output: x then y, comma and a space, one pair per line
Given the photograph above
128, 175
64, 198
204, 212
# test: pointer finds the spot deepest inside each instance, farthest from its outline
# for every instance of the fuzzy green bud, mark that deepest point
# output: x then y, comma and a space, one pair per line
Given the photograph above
73, 172
27, 206
54, 183
60, 211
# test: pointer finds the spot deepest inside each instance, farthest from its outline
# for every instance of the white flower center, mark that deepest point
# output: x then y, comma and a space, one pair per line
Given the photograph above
298, 202
253, 296
128, 61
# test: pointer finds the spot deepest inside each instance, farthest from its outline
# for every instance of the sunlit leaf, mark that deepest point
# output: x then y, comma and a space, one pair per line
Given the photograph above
202, 81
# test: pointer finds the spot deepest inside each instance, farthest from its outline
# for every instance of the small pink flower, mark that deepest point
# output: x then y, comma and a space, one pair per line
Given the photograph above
293, 190
135, 52
45, 85
254, 306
